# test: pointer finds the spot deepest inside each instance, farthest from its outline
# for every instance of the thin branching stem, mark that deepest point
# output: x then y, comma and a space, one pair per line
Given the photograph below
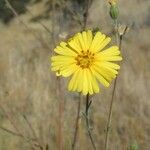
110, 116
86, 13
77, 123
108, 126
27, 139
18, 133
14, 12
11, 132
61, 111
33, 132
88, 104
39, 22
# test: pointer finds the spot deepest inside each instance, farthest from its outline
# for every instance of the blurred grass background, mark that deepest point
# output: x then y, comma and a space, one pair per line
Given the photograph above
27, 87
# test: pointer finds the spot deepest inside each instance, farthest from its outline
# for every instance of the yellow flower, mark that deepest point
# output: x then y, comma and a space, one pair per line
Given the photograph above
83, 58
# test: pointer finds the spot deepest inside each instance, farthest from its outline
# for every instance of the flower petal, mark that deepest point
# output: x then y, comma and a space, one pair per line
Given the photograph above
89, 78
89, 38
65, 51
68, 70
85, 39
80, 38
72, 86
100, 77
97, 41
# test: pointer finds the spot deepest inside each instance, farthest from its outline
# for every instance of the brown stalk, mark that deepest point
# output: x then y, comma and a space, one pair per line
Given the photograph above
58, 82
88, 104
41, 23
108, 126
77, 122
15, 13
61, 112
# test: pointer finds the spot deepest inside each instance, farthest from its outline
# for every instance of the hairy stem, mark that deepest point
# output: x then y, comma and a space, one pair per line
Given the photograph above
60, 121
77, 123
119, 43
88, 104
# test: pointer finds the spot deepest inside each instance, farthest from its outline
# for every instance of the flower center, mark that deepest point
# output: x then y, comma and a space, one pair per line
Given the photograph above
85, 59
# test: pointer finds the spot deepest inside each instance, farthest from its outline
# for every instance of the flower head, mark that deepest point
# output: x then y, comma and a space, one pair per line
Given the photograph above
83, 58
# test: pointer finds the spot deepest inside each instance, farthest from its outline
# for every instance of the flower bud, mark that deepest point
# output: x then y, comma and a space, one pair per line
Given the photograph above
114, 11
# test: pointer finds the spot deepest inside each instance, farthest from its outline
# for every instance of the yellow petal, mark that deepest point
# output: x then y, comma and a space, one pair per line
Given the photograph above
109, 64
69, 70
84, 35
79, 78
89, 78
56, 68
111, 58
63, 44
74, 44
58, 74
107, 74
100, 77
100, 65
112, 51
97, 41
94, 83
62, 58
85, 83
65, 51
80, 38
72, 85
89, 38
103, 44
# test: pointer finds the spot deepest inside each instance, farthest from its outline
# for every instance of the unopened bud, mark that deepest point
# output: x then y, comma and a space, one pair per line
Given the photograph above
114, 11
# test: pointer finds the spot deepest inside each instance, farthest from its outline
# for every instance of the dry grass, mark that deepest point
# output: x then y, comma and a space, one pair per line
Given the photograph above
28, 87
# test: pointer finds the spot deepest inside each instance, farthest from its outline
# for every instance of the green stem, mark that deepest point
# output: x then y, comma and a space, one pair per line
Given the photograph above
76, 123
88, 104
119, 43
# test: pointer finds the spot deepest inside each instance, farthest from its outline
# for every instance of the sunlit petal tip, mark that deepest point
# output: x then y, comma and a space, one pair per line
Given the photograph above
63, 44
58, 74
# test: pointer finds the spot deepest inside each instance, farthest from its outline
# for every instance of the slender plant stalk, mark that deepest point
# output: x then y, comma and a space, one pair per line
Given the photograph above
14, 12
32, 130
77, 122
61, 110
110, 116
85, 15
34, 141
88, 104
119, 43
116, 31
59, 96
39, 22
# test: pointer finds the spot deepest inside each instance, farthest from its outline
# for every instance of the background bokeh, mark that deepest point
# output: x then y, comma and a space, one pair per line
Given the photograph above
28, 88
